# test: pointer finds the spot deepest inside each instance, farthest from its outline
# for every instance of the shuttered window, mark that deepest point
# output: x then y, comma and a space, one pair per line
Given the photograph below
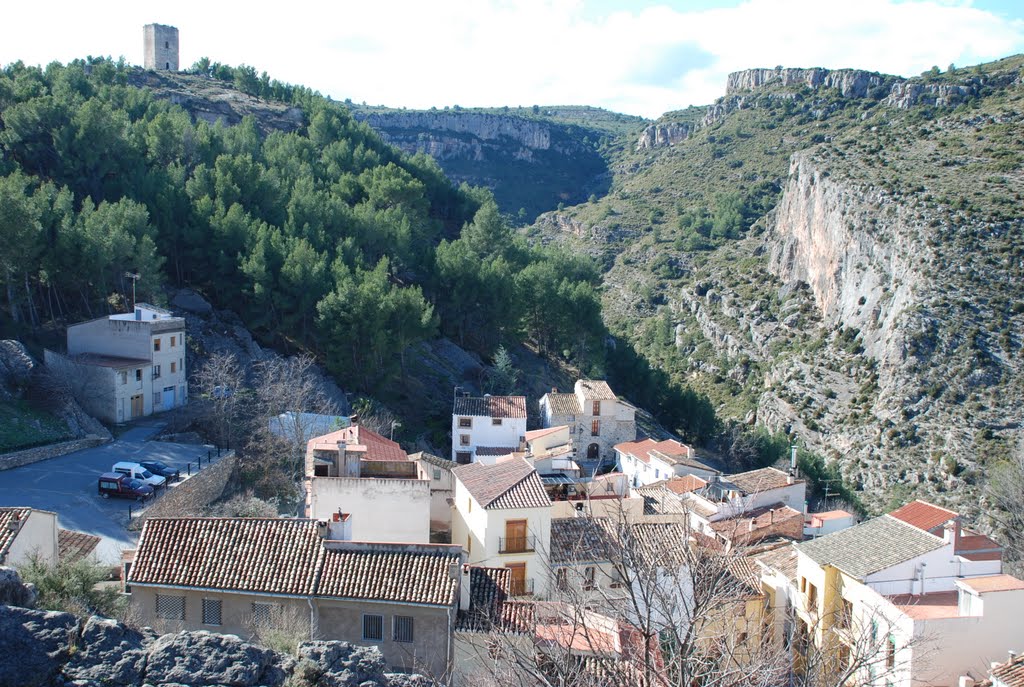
373, 627
402, 629
170, 607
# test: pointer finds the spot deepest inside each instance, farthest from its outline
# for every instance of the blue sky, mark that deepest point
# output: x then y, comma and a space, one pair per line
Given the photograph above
640, 57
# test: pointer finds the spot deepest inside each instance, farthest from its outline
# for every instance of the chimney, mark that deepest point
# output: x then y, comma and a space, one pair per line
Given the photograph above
1012, 654
949, 532
792, 461
554, 389
138, 314
464, 589
323, 529
689, 452
340, 527
790, 478
966, 681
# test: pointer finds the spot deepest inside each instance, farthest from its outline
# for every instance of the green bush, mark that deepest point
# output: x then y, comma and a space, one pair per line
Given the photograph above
74, 587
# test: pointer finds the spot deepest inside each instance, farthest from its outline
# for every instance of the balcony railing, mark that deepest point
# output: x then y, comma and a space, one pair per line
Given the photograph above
515, 544
521, 587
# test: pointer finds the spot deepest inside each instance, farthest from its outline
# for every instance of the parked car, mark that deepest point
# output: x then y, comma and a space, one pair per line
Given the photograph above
161, 469
123, 486
138, 472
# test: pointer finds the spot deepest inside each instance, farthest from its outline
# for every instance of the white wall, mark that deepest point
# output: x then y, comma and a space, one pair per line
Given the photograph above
37, 537
484, 432
384, 510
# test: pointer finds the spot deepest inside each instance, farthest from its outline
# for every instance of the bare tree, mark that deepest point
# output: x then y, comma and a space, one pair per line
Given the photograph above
1006, 491
220, 382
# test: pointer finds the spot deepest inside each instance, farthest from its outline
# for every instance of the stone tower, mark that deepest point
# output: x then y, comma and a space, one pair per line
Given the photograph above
160, 47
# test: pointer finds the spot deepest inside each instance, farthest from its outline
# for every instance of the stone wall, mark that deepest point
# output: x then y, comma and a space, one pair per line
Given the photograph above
192, 497
34, 455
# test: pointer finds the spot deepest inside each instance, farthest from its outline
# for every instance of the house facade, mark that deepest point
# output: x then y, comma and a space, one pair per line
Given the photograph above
597, 419
502, 518
247, 575
486, 427
27, 533
126, 366
648, 461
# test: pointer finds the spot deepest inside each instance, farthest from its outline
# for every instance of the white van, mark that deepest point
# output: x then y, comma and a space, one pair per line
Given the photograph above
140, 473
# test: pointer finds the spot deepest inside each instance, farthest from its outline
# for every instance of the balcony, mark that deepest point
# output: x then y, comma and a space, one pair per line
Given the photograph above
521, 587
516, 544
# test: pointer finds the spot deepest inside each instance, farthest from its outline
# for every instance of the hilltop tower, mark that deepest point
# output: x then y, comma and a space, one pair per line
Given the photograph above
160, 47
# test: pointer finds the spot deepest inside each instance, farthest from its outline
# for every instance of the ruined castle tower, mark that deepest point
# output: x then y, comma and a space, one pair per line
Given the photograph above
160, 47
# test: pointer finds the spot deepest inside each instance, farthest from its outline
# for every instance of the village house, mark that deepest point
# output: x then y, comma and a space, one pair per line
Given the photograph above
648, 461
360, 474
1007, 674
442, 488
125, 366
908, 596
245, 576
733, 496
486, 427
502, 518
827, 522
27, 533
597, 419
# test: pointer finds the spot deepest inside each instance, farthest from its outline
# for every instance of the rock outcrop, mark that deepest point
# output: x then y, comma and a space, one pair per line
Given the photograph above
851, 83
665, 134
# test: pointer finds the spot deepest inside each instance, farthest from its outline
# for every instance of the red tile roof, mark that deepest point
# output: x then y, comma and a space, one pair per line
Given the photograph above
73, 545
668, 451
685, 484
355, 437
11, 520
748, 525
390, 575
992, 583
1009, 674
491, 406
932, 606
923, 515
508, 484
538, 433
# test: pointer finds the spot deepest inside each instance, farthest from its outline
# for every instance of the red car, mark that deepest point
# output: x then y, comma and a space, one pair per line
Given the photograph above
123, 486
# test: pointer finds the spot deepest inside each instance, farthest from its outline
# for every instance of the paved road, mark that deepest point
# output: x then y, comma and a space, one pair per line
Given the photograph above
67, 485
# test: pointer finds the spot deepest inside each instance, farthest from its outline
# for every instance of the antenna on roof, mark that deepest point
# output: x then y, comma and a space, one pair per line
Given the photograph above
134, 276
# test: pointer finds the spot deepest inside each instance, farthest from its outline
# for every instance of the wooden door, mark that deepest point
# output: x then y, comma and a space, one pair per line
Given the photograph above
518, 578
137, 406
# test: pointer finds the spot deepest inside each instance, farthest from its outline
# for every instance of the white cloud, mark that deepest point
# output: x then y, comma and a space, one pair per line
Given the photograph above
505, 52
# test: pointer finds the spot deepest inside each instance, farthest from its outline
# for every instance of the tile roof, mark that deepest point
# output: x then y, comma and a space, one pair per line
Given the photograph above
581, 540
564, 404
756, 481
496, 450
287, 556
377, 447
992, 583
661, 544
871, 546
488, 590
1009, 674
933, 606
746, 573
11, 520
757, 519
660, 501
432, 459
781, 559
510, 483
270, 555
684, 484
490, 406
538, 433
924, 515
668, 451
389, 574
595, 390
72, 545
978, 547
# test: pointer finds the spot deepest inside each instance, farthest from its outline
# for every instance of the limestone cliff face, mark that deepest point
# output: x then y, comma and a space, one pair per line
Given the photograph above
666, 134
851, 83
485, 127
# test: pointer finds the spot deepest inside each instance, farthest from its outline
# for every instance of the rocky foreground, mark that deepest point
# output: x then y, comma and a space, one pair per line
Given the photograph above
49, 648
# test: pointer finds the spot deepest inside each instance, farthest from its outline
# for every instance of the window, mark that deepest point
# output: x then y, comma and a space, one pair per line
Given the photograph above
156, 372
463, 457
138, 375
562, 579
437, 473
588, 577
469, 543
170, 607
845, 614
263, 614
465, 422
123, 374
890, 653
174, 367
373, 627
402, 629
156, 345
597, 407
803, 585
173, 338
496, 421
167, 45
812, 597
616, 576
595, 428
211, 611
463, 440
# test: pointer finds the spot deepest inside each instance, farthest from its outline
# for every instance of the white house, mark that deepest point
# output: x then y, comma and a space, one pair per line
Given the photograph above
597, 419
486, 427
502, 518
442, 488
369, 478
551, 450
27, 533
935, 606
649, 461
126, 366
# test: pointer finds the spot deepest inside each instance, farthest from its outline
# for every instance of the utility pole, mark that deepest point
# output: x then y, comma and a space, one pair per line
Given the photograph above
134, 276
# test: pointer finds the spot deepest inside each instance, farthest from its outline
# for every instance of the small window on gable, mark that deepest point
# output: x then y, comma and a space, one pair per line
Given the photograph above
373, 627
597, 407
156, 345
465, 422
437, 473
496, 421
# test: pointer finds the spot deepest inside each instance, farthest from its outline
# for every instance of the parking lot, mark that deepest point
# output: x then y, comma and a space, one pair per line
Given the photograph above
67, 485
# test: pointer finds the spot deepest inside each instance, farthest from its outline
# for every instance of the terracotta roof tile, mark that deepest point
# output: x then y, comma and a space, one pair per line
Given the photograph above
658, 500
668, 451
377, 446
580, 540
595, 390
781, 559
496, 450
685, 484
270, 555
508, 484
11, 520
431, 459
488, 590
389, 574
933, 606
1009, 674
564, 404
757, 481
992, 583
754, 520
924, 515
72, 545
491, 406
